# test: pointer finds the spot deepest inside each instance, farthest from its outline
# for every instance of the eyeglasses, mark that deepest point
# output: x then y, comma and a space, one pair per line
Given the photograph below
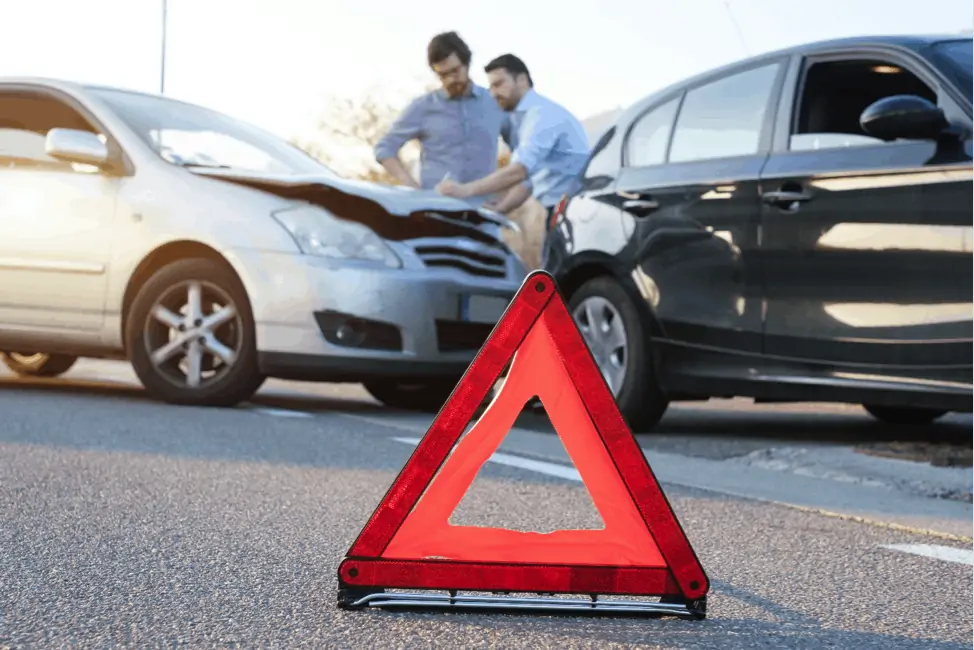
447, 73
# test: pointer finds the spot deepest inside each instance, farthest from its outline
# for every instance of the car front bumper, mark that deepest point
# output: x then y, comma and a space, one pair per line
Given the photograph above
321, 321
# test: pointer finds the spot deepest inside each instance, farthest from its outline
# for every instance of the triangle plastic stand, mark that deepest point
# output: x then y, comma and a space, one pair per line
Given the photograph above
409, 544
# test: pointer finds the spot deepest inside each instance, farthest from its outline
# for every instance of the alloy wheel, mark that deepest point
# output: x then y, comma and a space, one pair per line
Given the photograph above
604, 332
193, 334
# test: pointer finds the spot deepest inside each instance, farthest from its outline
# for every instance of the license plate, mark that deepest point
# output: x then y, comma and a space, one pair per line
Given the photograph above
482, 309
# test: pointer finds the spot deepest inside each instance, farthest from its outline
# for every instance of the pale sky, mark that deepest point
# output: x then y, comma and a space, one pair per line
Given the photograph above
273, 62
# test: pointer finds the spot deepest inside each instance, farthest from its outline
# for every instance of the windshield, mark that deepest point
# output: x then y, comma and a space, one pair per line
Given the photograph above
955, 59
184, 134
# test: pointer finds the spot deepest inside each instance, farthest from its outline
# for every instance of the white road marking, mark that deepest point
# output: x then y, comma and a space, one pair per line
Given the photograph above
281, 413
948, 520
540, 466
935, 551
389, 422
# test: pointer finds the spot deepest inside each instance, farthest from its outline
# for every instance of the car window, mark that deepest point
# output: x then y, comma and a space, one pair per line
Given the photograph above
210, 148
185, 134
954, 59
25, 120
834, 95
650, 134
724, 118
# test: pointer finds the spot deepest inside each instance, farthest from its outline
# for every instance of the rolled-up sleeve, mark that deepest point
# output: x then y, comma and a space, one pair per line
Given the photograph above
537, 137
406, 127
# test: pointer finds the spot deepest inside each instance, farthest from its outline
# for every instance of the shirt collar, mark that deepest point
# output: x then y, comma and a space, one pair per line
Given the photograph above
476, 92
531, 98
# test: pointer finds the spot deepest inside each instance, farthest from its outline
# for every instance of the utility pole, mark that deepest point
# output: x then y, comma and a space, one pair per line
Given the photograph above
737, 28
162, 71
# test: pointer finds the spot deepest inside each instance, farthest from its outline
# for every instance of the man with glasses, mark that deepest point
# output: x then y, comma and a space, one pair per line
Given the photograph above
458, 125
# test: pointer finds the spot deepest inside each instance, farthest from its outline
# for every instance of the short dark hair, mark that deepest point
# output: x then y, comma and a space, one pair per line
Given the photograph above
443, 45
512, 64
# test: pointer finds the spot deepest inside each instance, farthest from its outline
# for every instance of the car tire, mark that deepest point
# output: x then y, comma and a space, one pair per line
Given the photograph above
164, 334
639, 396
898, 415
426, 397
37, 364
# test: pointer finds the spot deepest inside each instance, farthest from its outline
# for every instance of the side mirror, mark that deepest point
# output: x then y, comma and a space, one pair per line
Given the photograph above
903, 116
76, 146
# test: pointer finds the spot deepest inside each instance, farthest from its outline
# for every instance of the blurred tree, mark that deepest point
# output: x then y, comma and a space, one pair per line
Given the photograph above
345, 133
348, 129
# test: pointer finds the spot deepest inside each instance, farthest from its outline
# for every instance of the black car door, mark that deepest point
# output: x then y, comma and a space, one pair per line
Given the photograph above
866, 243
688, 192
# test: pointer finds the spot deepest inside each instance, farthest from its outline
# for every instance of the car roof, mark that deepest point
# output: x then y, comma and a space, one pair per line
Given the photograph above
50, 82
80, 87
67, 84
915, 42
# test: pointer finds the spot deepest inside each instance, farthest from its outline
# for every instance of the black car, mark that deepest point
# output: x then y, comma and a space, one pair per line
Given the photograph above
792, 227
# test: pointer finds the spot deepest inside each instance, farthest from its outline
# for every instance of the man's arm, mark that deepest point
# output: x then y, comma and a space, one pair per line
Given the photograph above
513, 198
408, 126
500, 180
398, 171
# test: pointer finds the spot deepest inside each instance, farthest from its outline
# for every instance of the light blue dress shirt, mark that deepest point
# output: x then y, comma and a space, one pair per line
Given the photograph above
551, 144
457, 136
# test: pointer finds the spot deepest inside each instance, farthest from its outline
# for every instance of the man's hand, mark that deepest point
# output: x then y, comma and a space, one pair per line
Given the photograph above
447, 187
398, 171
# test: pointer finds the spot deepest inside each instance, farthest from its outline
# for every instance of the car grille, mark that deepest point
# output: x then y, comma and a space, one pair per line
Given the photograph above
472, 258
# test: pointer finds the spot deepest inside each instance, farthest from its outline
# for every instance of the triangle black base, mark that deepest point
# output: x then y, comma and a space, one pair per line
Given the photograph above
528, 603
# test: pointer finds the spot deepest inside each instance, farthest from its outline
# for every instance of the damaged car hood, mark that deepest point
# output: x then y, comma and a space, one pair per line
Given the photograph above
394, 212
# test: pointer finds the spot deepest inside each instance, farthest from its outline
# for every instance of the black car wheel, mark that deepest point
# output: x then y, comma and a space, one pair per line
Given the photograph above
190, 335
618, 340
428, 397
37, 364
904, 415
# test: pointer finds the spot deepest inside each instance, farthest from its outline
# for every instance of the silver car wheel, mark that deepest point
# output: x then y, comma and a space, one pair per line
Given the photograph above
604, 332
193, 334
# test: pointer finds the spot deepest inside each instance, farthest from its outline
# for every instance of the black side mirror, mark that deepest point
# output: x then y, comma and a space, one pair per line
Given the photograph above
903, 116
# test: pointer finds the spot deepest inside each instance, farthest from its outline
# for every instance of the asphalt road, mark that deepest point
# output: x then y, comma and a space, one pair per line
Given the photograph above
127, 523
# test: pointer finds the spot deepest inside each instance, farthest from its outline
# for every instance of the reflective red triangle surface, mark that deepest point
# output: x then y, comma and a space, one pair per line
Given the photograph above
409, 543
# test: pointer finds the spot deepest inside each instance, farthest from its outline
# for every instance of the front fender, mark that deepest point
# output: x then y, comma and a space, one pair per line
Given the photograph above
572, 272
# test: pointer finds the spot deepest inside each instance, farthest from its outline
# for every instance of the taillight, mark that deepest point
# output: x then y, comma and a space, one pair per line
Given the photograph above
557, 212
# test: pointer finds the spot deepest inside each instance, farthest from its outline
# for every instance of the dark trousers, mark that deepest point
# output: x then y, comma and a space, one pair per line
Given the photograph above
549, 210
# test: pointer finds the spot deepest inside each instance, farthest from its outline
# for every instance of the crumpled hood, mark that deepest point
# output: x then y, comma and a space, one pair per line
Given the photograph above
394, 200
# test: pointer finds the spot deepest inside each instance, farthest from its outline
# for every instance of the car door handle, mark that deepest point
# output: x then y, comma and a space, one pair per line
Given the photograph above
785, 197
640, 207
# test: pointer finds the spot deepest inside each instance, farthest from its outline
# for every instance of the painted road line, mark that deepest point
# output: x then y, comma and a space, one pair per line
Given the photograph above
948, 520
281, 413
390, 423
935, 551
540, 466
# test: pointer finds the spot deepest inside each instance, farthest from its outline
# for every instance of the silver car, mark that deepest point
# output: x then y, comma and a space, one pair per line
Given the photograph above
212, 255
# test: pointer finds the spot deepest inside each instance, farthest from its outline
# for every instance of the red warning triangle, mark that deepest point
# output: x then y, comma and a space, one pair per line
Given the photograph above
408, 543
